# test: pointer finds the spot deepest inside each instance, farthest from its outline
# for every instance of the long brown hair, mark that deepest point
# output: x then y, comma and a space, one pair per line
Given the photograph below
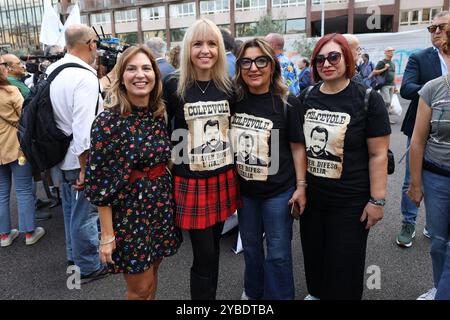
346, 52
117, 94
277, 86
446, 42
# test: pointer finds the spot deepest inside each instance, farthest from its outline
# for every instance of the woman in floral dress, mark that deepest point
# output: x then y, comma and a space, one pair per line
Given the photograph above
127, 178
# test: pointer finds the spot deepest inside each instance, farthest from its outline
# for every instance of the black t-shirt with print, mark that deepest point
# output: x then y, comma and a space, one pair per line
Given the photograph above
205, 117
266, 167
336, 129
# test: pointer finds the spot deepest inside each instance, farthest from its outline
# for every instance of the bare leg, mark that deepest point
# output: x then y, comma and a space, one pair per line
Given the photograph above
154, 285
142, 286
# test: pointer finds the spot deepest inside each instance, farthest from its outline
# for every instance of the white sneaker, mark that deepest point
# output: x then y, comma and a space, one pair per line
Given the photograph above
429, 295
426, 233
32, 238
310, 297
8, 239
244, 296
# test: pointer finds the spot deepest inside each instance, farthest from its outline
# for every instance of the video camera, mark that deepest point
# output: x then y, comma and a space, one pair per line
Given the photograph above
110, 49
33, 63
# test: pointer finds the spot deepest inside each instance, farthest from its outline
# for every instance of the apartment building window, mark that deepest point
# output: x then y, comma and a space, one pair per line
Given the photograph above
426, 14
100, 18
287, 3
155, 33
177, 35
434, 11
128, 38
404, 17
246, 29
333, 1
125, 16
84, 19
182, 10
295, 26
245, 5
418, 16
154, 13
214, 6
414, 17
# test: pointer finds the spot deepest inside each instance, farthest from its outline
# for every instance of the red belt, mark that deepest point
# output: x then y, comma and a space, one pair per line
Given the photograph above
150, 173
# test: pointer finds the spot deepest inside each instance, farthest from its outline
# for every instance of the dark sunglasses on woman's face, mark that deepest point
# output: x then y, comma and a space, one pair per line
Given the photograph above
333, 58
433, 27
260, 62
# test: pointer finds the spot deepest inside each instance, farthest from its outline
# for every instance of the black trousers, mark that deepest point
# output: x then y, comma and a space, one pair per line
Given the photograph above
334, 245
205, 267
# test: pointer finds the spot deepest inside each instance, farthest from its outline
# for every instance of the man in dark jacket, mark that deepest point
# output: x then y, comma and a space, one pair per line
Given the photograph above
158, 48
422, 67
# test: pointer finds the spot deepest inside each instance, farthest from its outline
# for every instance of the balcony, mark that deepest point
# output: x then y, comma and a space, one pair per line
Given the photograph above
95, 5
316, 2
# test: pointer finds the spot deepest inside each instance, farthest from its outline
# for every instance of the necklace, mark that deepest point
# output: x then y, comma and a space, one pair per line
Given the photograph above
203, 90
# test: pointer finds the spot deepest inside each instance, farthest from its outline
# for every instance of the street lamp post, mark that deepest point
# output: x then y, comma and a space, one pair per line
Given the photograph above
322, 32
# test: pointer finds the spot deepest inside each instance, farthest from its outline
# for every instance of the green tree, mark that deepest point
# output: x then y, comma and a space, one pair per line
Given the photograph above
266, 25
305, 46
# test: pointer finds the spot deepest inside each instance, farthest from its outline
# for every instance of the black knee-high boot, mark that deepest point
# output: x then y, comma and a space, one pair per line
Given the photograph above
202, 288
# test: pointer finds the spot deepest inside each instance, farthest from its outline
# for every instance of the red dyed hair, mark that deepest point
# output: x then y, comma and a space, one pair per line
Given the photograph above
346, 52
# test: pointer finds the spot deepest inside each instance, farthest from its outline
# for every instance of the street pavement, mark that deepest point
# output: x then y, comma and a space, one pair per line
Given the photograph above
39, 271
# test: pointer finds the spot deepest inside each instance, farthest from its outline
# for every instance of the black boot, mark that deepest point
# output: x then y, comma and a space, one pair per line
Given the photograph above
202, 288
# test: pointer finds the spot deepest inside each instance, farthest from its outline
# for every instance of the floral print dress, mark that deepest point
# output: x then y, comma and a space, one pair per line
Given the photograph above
143, 216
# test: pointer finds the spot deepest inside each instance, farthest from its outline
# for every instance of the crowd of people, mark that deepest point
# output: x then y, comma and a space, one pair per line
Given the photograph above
176, 141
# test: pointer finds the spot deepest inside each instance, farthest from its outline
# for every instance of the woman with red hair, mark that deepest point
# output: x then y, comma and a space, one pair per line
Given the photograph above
346, 145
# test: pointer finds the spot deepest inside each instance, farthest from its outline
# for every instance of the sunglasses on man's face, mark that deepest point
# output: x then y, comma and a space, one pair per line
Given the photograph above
260, 62
333, 58
433, 27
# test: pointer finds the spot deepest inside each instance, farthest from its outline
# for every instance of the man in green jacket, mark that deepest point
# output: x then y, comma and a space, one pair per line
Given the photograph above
16, 71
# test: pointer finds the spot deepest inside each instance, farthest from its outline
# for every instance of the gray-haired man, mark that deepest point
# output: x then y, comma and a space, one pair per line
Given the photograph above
158, 48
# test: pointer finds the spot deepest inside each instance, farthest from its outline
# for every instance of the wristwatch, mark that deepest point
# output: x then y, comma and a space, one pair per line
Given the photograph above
377, 202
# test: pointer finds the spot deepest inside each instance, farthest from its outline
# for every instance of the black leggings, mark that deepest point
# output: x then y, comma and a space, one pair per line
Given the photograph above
206, 250
334, 249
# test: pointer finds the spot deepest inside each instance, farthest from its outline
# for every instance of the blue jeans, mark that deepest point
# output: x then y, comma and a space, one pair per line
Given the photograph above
22, 176
437, 204
269, 277
409, 209
80, 222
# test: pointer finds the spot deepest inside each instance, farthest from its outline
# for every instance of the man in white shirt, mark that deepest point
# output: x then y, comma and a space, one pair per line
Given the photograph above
75, 97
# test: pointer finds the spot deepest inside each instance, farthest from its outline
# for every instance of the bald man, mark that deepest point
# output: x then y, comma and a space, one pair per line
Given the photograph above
75, 97
16, 71
288, 72
355, 47
386, 68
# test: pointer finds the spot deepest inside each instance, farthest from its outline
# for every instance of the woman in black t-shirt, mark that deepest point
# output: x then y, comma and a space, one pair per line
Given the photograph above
346, 146
270, 157
206, 187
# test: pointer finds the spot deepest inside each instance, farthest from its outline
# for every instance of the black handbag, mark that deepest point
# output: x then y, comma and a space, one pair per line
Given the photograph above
390, 154
391, 162
379, 81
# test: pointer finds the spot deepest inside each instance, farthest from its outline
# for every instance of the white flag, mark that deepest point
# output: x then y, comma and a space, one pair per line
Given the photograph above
73, 18
51, 26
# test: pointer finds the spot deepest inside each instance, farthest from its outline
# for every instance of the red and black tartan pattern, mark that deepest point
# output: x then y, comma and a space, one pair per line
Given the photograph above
203, 202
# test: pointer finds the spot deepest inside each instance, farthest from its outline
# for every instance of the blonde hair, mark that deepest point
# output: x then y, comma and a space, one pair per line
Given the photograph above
277, 86
117, 99
219, 73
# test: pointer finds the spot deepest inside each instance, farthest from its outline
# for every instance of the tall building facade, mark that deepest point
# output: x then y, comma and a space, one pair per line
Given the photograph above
134, 21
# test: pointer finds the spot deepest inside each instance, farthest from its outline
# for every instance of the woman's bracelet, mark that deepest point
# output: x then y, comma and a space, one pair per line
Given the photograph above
301, 183
105, 242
